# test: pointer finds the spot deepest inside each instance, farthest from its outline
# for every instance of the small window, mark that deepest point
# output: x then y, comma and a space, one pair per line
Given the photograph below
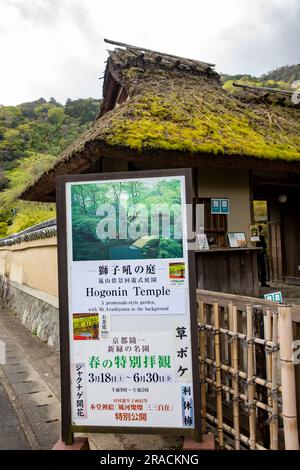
215, 225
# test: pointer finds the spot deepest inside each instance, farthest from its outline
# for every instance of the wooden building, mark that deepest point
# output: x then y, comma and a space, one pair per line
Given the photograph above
161, 111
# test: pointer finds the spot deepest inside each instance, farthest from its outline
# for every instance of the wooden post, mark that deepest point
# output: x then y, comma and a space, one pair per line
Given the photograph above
202, 365
274, 391
235, 380
289, 411
218, 373
230, 307
268, 337
296, 336
261, 371
250, 376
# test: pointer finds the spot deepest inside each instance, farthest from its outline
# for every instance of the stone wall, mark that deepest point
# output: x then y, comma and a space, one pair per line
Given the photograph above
37, 312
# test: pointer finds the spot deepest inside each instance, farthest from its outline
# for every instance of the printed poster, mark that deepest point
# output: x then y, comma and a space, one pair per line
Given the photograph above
237, 239
129, 304
254, 233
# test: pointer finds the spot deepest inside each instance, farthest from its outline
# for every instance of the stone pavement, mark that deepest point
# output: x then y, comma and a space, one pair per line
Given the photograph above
11, 432
31, 380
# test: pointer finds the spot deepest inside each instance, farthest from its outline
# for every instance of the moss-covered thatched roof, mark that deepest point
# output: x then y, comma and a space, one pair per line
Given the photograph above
174, 106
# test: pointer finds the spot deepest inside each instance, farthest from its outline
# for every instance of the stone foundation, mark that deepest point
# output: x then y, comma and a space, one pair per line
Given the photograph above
37, 311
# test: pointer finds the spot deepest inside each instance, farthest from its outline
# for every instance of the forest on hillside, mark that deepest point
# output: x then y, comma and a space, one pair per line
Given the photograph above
32, 135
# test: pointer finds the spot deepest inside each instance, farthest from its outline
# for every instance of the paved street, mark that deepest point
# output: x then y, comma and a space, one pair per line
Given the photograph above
11, 433
36, 403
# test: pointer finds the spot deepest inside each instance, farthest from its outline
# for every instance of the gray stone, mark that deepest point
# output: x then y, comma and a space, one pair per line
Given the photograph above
41, 318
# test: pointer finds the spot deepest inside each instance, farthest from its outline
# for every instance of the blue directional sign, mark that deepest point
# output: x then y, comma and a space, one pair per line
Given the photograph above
215, 206
274, 297
224, 206
219, 206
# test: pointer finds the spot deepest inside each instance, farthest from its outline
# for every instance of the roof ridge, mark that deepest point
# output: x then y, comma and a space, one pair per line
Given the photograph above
129, 46
263, 88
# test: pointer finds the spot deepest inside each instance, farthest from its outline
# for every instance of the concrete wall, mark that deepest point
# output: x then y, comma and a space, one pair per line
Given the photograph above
231, 184
32, 263
29, 288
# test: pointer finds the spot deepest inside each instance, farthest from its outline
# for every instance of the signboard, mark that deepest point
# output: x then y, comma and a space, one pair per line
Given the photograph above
219, 206
254, 233
202, 241
215, 206
274, 297
237, 239
127, 304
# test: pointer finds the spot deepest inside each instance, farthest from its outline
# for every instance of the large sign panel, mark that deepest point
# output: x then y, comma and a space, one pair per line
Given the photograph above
130, 311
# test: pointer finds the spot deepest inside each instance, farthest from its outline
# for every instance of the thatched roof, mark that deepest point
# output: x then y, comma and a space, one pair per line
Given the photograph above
173, 106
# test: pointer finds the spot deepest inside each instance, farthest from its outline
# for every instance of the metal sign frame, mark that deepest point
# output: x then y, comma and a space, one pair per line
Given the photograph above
68, 429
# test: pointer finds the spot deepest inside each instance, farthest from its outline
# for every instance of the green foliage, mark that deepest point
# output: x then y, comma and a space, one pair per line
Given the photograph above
281, 78
10, 115
27, 170
30, 213
41, 126
143, 205
18, 215
83, 109
56, 115
287, 73
31, 137
3, 229
170, 249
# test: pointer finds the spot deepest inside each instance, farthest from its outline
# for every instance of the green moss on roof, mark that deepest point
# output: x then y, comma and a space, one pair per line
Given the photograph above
176, 111
183, 110
196, 115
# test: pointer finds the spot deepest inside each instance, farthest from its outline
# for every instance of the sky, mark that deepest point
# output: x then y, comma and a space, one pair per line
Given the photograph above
55, 48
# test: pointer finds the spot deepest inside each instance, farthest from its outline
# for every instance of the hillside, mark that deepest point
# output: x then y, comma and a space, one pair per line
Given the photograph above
282, 78
41, 126
288, 73
31, 136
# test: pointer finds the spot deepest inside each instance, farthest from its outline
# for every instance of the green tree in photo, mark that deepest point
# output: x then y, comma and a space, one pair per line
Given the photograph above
136, 200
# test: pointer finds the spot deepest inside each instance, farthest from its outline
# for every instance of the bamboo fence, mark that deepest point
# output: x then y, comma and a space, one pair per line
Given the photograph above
248, 393
289, 411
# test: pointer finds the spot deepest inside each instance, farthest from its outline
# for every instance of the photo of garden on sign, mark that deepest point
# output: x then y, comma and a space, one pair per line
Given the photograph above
127, 220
